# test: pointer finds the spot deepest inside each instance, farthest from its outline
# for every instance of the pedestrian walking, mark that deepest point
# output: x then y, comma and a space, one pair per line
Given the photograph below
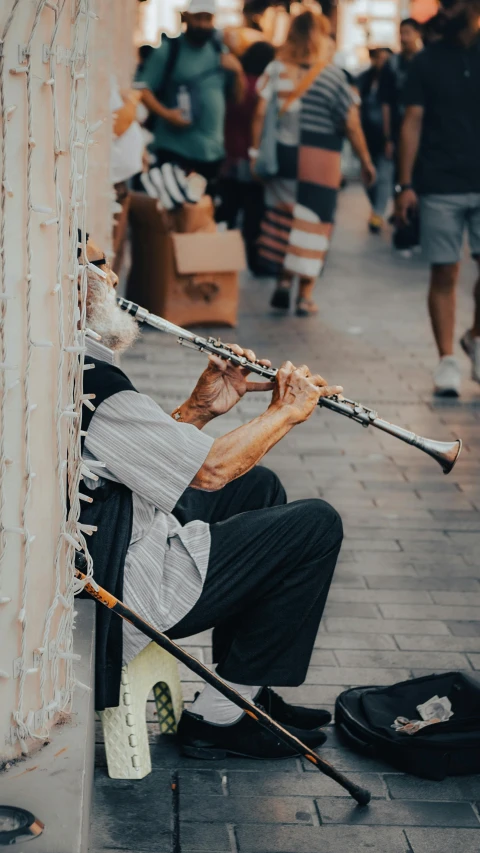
239, 39
439, 155
316, 109
394, 77
368, 85
186, 84
239, 192
406, 234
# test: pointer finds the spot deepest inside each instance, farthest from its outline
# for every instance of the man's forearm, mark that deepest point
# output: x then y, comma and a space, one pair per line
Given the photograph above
238, 451
153, 104
410, 134
356, 136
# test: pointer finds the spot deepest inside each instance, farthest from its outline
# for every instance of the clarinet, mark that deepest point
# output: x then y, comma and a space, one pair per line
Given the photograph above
445, 453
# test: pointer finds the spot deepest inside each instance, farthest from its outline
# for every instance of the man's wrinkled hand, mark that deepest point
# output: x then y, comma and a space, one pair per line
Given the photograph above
223, 384
299, 390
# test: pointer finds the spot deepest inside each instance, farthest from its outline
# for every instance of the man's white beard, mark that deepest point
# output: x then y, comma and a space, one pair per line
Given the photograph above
117, 329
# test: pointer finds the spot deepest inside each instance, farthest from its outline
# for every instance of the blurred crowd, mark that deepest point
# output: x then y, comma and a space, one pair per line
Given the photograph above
258, 120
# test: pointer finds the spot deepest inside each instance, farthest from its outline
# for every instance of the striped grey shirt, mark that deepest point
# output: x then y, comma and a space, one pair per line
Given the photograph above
157, 458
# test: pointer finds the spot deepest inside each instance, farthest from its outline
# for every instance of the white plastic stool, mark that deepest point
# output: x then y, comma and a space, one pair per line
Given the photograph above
125, 727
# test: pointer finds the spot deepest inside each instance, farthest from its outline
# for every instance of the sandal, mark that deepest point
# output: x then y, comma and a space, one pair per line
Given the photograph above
306, 308
281, 297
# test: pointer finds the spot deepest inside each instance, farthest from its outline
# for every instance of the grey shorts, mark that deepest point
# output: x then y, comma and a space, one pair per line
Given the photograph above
443, 222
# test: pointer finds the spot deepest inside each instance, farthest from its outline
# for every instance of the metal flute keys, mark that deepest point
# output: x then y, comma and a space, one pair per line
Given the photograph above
445, 453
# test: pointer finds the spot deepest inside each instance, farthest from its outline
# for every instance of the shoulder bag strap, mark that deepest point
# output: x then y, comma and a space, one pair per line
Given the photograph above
173, 51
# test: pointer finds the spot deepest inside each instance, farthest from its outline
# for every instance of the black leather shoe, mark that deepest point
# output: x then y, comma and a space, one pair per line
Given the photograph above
246, 738
291, 715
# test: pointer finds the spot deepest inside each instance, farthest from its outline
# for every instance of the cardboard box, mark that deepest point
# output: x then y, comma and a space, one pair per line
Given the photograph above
182, 268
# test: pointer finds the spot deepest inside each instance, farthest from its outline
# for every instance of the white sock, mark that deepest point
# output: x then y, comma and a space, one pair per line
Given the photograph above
216, 708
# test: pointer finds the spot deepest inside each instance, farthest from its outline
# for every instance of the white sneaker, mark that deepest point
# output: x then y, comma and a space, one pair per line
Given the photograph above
447, 377
471, 346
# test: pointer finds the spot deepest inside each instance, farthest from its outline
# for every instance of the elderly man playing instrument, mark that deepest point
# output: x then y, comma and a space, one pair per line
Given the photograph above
209, 540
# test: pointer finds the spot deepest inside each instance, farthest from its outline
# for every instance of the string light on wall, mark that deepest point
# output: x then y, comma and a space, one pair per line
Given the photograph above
48, 205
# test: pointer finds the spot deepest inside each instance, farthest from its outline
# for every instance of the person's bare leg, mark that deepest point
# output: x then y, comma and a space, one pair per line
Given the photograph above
305, 303
285, 279
441, 305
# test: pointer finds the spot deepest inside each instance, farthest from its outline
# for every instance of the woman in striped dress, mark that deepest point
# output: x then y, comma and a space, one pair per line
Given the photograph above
301, 198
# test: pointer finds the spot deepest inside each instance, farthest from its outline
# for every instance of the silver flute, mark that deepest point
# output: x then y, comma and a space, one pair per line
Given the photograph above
445, 453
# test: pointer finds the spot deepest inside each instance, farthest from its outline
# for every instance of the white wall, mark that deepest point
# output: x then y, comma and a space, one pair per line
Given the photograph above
46, 118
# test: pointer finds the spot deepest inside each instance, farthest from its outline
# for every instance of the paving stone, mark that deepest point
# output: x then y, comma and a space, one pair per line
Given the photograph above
393, 626
455, 598
408, 660
429, 611
323, 839
205, 838
464, 570
343, 581
322, 657
464, 629
359, 609
354, 641
122, 815
454, 644
399, 813
382, 596
202, 782
299, 785
402, 787
373, 544
238, 810
443, 841
428, 583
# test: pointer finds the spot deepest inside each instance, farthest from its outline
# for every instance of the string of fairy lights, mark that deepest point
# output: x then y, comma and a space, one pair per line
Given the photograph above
51, 662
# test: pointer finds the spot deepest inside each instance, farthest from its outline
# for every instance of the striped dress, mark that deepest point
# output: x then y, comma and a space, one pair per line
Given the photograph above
301, 199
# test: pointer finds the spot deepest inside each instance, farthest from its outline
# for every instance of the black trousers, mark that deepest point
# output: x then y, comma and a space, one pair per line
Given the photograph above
270, 568
248, 198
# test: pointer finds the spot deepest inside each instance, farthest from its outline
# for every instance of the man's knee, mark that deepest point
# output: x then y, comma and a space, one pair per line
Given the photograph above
443, 277
319, 520
331, 519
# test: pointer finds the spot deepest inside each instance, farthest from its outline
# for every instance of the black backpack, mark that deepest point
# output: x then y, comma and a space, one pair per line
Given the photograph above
364, 716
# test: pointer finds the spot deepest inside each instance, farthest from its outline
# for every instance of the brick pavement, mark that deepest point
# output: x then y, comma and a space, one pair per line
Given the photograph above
406, 595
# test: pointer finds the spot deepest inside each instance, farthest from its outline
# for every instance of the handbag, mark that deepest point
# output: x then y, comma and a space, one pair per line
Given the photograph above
364, 717
266, 164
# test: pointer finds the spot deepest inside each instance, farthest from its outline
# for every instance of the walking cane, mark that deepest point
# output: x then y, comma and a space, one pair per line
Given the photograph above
361, 795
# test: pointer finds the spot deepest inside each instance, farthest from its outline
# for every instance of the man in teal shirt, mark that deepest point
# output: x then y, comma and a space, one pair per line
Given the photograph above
188, 100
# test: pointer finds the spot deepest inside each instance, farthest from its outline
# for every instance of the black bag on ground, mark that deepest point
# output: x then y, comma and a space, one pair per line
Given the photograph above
364, 716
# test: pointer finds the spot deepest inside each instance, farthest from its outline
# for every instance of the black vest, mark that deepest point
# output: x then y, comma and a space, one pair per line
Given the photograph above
111, 511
